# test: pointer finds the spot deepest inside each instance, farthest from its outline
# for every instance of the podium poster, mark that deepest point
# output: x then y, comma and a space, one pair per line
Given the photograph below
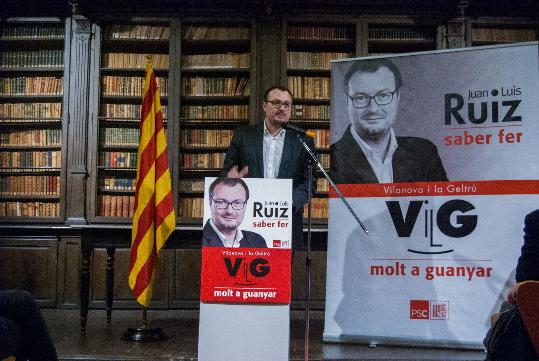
446, 229
255, 267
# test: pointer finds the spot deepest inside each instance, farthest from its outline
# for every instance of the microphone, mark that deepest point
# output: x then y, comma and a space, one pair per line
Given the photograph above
306, 132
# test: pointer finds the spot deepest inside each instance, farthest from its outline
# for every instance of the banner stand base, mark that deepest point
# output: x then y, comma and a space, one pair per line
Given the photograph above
243, 332
144, 334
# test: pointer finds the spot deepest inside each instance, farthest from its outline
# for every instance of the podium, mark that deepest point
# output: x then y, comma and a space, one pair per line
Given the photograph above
245, 291
233, 332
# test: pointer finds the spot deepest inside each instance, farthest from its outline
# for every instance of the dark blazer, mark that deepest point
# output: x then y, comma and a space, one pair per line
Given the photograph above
249, 240
528, 262
247, 149
415, 160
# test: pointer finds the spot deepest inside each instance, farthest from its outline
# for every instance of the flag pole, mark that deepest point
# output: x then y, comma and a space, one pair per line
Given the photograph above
154, 219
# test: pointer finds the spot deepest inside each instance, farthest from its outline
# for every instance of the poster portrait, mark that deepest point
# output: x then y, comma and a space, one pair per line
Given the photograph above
246, 245
446, 212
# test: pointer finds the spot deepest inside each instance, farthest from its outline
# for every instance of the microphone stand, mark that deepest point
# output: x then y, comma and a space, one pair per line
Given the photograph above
314, 160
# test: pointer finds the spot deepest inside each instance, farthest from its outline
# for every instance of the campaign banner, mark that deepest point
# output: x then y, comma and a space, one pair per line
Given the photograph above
437, 154
246, 246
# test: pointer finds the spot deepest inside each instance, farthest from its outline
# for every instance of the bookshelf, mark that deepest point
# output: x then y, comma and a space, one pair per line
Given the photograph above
122, 63
216, 81
492, 31
310, 46
392, 35
31, 97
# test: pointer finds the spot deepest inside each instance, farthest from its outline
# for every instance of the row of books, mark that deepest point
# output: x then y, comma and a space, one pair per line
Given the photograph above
206, 138
117, 183
31, 159
302, 111
118, 159
216, 32
202, 160
319, 208
190, 185
133, 61
119, 136
324, 160
309, 87
219, 61
401, 33
30, 185
131, 31
45, 58
201, 112
32, 137
321, 138
129, 111
129, 85
316, 32
24, 85
191, 208
322, 184
503, 35
43, 31
31, 110
29, 209
116, 206
313, 60
201, 86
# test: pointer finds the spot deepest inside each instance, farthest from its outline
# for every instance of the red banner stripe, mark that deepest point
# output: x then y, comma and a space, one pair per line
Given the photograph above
388, 190
158, 121
163, 209
144, 223
147, 160
161, 164
148, 99
144, 276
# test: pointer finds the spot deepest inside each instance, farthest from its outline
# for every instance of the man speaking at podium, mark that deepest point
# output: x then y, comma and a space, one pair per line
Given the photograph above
270, 151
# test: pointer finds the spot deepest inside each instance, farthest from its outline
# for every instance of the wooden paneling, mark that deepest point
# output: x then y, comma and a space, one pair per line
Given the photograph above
30, 264
123, 297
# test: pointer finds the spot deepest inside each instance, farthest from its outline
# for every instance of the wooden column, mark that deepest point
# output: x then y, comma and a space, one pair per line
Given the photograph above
77, 119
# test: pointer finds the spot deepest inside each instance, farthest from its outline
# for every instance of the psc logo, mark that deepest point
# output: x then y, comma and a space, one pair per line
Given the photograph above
429, 310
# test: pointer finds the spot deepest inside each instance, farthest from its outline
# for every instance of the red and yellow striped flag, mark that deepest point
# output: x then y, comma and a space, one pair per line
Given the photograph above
154, 219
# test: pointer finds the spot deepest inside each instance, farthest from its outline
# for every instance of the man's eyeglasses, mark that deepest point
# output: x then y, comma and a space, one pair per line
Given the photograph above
276, 104
363, 100
222, 204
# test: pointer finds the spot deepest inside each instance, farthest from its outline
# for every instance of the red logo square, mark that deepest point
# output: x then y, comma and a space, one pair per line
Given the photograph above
419, 310
276, 243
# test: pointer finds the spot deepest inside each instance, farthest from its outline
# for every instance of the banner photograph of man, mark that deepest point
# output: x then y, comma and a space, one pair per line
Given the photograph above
369, 151
228, 199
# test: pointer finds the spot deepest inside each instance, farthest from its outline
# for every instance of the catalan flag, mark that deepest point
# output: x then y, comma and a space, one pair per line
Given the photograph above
154, 219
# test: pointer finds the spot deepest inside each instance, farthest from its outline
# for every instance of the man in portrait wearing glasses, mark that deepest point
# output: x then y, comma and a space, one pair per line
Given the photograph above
228, 198
268, 150
369, 151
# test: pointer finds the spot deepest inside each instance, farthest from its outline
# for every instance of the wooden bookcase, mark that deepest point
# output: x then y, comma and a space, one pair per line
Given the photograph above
490, 31
124, 49
31, 126
310, 47
397, 34
216, 97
